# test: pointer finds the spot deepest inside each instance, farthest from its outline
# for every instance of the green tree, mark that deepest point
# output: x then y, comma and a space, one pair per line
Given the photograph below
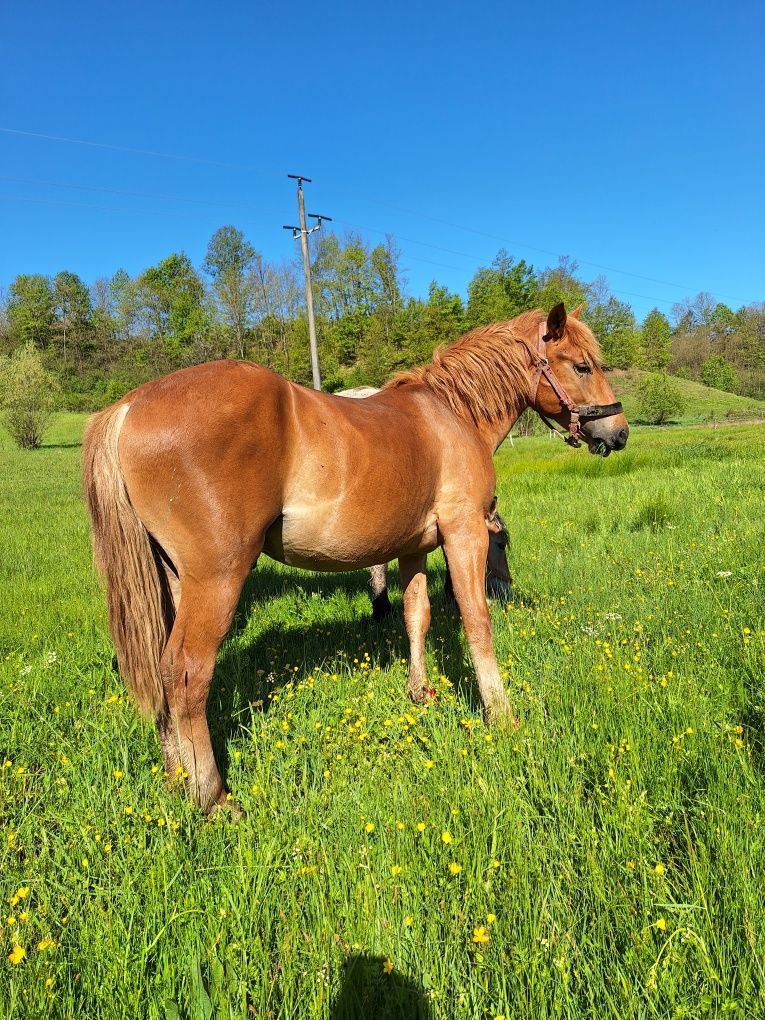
613, 323
125, 303
171, 301
501, 292
561, 283
73, 310
656, 339
229, 262
27, 396
31, 310
719, 373
659, 399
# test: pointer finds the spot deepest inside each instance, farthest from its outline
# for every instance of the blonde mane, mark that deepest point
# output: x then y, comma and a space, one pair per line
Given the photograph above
484, 374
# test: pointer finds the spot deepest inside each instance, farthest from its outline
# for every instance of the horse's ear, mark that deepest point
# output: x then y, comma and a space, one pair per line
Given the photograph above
556, 322
577, 311
492, 522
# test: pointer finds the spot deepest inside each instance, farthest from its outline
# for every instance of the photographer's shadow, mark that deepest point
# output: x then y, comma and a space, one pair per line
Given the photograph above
368, 992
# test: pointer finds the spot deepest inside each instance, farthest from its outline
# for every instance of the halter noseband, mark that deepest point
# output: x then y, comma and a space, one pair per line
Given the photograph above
579, 412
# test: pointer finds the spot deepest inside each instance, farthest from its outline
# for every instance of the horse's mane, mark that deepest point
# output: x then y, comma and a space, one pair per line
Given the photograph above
485, 373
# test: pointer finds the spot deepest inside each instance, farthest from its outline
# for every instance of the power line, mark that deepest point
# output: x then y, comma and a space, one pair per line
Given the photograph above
250, 168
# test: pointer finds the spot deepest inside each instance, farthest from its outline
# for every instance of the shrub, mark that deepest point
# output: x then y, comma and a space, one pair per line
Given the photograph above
659, 399
27, 396
719, 373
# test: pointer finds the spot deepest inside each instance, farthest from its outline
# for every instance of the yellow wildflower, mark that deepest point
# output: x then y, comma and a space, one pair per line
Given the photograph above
480, 935
455, 868
446, 837
388, 966
16, 955
661, 924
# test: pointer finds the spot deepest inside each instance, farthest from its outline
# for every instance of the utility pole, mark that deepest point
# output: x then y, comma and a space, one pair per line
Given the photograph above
302, 232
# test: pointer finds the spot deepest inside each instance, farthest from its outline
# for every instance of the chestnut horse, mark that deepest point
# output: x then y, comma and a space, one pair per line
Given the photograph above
189, 478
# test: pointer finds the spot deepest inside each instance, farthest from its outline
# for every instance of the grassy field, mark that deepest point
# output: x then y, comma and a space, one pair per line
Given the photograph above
606, 859
702, 403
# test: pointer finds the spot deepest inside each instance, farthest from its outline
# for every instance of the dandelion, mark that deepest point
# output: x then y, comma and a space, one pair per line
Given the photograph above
421, 826
631, 865
480, 936
395, 870
49, 982
491, 918
45, 944
16, 955
661, 924
117, 773
659, 869
408, 921
369, 827
454, 868
446, 837
388, 965
429, 763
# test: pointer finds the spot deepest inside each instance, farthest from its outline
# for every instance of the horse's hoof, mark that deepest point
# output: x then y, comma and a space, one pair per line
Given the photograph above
418, 694
226, 806
501, 717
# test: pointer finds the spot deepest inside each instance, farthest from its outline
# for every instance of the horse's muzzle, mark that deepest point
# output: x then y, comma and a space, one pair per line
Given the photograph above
602, 440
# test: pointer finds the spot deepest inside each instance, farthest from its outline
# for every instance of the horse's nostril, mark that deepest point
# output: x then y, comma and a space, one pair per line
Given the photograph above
621, 436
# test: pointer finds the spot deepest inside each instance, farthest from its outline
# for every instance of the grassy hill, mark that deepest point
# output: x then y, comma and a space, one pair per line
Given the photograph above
702, 403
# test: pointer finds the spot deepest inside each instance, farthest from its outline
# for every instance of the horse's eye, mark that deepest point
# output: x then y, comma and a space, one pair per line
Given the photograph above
582, 369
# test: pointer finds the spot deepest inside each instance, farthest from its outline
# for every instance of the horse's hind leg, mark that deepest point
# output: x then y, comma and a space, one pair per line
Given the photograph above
203, 617
417, 619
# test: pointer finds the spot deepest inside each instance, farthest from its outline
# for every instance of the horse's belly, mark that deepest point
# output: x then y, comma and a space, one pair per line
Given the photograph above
313, 542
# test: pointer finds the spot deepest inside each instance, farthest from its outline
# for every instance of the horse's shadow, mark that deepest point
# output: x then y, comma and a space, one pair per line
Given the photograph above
369, 993
249, 670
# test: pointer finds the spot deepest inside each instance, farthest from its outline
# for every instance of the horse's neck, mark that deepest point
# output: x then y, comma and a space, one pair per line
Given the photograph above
495, 433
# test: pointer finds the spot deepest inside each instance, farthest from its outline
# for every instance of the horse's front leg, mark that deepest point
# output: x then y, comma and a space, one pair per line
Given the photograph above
417, 619
466, 550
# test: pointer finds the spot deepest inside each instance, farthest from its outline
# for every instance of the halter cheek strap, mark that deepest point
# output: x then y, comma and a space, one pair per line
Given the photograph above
578, 412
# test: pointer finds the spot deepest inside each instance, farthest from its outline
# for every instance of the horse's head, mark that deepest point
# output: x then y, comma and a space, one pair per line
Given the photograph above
569, 385
498, 579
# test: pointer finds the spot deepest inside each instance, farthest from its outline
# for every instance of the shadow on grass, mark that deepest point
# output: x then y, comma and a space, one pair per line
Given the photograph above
368, 993
242, 682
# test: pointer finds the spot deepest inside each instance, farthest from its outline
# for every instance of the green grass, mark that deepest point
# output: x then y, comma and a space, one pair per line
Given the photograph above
702, 403
616, 837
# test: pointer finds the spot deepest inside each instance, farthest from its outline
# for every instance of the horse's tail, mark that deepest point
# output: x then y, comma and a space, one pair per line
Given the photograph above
140, 613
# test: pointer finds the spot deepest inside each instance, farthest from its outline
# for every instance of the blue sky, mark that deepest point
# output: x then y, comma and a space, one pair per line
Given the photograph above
629, 137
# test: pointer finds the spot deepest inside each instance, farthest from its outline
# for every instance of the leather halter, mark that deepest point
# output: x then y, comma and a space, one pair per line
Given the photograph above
578, 412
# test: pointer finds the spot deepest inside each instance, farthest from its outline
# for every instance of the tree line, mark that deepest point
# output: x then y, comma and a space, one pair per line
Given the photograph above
102, 340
